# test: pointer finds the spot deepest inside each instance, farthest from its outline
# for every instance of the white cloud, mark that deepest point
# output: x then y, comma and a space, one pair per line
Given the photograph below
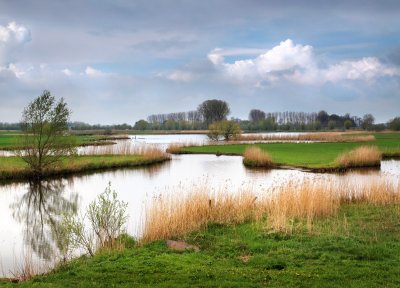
180, 76
17, 69
14, 33
91, 72
297, 63
67, 72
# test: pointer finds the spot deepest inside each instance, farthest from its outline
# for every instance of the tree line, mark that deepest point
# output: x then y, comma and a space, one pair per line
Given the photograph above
211, 111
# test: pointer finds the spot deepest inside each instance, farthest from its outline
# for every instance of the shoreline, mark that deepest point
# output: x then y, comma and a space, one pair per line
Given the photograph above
285, 166
90, 165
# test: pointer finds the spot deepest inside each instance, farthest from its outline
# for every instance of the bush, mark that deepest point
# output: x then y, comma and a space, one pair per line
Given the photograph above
226, 130
106, 215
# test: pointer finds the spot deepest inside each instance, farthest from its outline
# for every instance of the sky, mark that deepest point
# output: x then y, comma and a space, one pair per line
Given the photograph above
119, 61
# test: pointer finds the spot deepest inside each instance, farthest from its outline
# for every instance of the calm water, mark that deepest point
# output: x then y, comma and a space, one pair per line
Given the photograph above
29, 212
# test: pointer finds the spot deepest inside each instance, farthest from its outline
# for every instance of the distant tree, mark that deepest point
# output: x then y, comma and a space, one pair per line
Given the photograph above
367, 121
223, 129
323, 117
141, 125
256, 115
394, 124
44, 123
214, 110
347, 124
331, 124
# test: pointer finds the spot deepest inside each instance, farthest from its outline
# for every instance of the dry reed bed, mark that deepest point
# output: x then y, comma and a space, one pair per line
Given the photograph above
360, 157
255, 157
127, 148
177, 215
321, 137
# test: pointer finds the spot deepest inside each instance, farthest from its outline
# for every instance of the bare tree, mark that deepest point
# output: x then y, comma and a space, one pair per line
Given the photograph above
44, 123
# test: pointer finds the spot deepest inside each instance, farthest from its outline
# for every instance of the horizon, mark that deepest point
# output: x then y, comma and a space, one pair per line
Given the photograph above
121, 61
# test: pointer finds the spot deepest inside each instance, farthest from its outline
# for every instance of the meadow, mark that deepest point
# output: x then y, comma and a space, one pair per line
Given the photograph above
317, 155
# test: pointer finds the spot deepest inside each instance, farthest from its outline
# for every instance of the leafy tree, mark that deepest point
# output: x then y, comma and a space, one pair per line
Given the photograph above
256, 115
224, 129
394, 124
213, 110
44, 123
323, 117
331, 124
141, 125
367, 121
347, 124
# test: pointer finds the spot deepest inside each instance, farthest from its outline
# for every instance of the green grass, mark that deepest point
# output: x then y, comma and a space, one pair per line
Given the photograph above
11, 141
16, 168
360, 247
310, 155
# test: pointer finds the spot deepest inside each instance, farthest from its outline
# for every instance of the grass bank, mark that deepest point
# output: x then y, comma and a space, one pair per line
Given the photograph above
11, 140
14, 168
313, 156
354, 242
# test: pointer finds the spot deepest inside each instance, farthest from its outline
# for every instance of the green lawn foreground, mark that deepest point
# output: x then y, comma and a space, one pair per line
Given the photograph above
360, 247
309, 155
15, 168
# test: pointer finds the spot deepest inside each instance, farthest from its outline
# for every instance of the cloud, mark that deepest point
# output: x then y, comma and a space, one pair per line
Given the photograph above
67, 72
298, 63
178, 75
14, 33
91, 72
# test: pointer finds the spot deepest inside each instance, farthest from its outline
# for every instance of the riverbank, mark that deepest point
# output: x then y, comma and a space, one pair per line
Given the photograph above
14, 168
316, 157
11, 140
358, 247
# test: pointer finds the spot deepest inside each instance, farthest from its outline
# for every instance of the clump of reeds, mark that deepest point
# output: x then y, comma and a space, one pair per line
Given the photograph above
319, 137
306, 200
255, 157
360, 157
375, 191
175, 216
174, 148
127, 148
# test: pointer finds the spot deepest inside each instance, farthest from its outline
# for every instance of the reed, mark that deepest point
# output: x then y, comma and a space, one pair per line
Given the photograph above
360, 157
255, 157
176, 216
318, 137
127, 148
306, 200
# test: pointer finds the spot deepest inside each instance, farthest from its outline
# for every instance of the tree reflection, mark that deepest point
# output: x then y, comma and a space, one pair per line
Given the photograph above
41, 210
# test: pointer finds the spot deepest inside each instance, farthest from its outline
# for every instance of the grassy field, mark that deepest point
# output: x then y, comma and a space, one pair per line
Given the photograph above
309, 155
16, 168
359, 247
10, 140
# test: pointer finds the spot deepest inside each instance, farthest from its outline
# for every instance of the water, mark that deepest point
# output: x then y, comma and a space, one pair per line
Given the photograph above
30, 212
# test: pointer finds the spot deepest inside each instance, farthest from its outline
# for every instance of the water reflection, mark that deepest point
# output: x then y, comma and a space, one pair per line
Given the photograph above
40, 211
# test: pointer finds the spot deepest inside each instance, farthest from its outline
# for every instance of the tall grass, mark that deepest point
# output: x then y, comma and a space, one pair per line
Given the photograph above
126, 148
320, 137
255, 157
361, 156
175, 216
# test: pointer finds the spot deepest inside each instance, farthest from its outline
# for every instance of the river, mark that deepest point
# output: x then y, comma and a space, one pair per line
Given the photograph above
28, 211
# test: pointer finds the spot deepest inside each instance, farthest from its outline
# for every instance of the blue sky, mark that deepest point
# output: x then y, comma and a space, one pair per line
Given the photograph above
120, 61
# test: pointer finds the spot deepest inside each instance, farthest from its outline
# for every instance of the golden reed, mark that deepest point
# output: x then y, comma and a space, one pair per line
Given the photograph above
176, 215
255, 157
361, 156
